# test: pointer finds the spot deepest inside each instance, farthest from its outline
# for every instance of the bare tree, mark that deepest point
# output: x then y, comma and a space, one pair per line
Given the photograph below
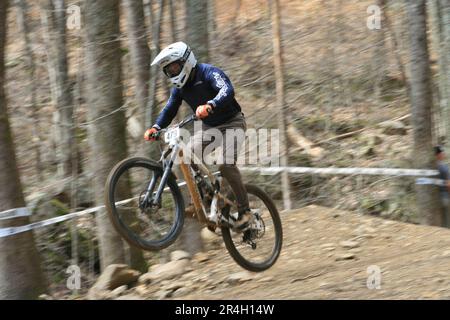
21, 276
104, 98
281, 103
197, 27
22, 10
197, 39
440, 18
151, 112
428, 200
395, 45
140, 52
173, 24
379, 54
53, 16
445, 53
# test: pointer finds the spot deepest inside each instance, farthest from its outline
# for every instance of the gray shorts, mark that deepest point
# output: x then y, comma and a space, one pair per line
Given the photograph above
228, 136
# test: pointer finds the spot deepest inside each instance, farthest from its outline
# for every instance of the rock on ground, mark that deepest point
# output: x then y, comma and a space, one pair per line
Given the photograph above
114, 276
166, 271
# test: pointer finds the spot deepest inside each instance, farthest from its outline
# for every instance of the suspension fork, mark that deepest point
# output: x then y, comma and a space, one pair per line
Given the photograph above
165, 176
149, 190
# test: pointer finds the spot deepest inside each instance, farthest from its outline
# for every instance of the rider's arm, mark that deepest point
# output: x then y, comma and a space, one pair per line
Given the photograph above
170, 110
219, 80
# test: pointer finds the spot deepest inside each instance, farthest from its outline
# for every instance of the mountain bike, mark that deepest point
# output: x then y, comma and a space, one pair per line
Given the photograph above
146, 206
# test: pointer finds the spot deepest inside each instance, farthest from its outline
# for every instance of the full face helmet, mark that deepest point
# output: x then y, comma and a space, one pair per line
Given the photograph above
176, 61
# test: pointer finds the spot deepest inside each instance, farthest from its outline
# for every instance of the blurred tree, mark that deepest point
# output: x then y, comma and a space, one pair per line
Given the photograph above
53, 16
21, 276
140, 61
140, 52
390, 28
281, 103
440, 18
155, 23
197, 39
445, 67
173, 23
22, 10
106, 116
379, 61
197, 28
428, 200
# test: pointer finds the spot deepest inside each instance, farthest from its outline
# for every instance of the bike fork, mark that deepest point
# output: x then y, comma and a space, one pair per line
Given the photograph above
162, 184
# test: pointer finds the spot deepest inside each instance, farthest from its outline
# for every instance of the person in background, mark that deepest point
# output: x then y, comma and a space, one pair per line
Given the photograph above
444, 174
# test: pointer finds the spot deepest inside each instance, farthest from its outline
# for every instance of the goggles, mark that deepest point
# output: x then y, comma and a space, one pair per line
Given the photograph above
173, 69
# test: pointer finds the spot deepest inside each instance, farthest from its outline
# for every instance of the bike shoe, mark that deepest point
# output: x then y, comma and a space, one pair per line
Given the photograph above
243, 220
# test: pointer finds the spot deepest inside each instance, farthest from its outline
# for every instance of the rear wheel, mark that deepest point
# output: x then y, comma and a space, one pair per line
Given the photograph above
141, 223
259, 247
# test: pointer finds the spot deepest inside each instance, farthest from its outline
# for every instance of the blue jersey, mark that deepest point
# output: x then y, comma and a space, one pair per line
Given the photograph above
209, 85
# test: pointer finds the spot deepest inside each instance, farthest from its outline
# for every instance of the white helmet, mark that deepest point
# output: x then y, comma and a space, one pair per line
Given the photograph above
176, 52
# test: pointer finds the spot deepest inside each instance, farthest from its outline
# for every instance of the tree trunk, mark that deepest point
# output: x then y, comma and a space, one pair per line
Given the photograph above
21, 276
444, 67
212, 28
54, 20
197, 28
379, 55
396, 48
140, 52
428, 201
140, 60
440, 118
151, 112
31, 66
281, 104
104, 95
197, 39
173, 24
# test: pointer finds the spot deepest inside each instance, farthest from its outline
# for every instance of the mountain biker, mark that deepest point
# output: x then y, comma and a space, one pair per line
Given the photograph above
210, 94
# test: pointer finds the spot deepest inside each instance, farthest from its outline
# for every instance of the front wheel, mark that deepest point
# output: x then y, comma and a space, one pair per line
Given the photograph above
141, 222
259, 247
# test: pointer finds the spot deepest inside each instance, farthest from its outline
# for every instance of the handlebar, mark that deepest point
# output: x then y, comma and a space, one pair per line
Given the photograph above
181, 124
189, 119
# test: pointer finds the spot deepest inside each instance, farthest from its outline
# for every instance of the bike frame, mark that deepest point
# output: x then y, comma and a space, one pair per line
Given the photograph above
175, 150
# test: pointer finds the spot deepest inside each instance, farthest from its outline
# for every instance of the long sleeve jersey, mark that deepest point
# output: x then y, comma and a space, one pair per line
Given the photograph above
210, 85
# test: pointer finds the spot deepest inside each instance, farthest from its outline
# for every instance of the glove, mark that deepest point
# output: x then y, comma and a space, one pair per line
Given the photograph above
203, 111
151, 134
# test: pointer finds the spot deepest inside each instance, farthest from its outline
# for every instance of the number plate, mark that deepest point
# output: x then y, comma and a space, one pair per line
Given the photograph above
172, 135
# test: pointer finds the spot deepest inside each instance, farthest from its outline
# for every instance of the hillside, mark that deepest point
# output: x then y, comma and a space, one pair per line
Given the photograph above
326, 255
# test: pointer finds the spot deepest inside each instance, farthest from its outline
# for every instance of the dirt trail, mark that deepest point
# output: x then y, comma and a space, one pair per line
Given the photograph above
326, 255
414, 261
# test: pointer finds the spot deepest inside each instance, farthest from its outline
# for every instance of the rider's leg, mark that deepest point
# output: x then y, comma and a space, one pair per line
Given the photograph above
232, 143
234, 178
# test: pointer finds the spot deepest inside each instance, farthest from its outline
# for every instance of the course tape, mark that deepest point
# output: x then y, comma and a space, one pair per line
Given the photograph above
14, 213
437, 182
20, 212
5, 232
346, 171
